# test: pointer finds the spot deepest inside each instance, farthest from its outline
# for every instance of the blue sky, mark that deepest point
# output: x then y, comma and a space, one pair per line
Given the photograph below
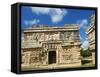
57, 17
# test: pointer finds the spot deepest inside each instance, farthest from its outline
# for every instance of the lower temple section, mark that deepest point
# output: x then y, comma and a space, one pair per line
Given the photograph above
50, 66
60, 57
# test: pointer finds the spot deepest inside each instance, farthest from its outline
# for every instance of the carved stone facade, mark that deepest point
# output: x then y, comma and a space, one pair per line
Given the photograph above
43, 46
91, 37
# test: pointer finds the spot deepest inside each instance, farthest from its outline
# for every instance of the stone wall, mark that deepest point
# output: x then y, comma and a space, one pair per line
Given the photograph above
70, 55
37, 45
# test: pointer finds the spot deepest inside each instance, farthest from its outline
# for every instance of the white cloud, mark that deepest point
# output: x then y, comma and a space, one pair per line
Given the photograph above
83, 23
55, 14
31, 22
80, 37
85, 44
41, 10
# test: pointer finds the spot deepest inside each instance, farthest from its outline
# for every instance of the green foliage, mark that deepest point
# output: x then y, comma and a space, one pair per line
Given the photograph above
86, 61
86, 53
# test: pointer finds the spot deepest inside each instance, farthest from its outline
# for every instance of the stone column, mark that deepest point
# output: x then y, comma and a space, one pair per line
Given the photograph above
27, 58
93, 57
57, 56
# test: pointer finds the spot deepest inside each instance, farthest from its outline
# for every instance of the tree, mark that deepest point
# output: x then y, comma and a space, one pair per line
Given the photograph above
86, 53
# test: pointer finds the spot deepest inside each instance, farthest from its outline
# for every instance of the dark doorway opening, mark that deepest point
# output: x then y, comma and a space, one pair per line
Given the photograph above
52, 57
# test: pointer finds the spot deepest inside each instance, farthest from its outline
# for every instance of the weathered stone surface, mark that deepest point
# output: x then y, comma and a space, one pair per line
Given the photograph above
91, 37
40, 44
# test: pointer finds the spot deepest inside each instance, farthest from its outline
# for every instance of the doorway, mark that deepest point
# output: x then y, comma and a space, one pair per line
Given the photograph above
52, 57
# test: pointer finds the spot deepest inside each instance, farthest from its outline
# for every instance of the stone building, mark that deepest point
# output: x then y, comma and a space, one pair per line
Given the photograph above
44, 46
91, 37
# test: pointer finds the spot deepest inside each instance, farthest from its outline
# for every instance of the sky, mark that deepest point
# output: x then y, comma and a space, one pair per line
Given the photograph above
31, 16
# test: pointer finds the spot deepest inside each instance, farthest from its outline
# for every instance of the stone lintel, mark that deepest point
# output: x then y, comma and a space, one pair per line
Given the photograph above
52, 29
